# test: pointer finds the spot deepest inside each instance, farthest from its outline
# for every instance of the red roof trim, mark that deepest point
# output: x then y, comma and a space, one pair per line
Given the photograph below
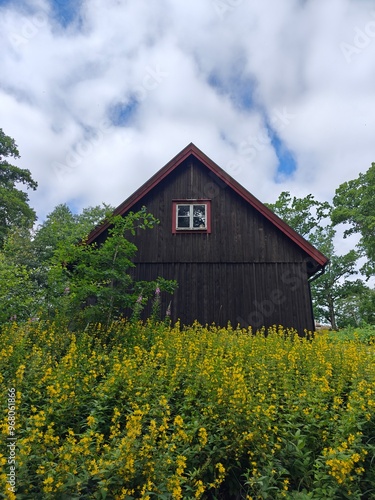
191, 149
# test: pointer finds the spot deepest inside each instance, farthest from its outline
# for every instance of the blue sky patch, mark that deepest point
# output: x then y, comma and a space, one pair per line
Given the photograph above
74, 206
239, 89
287, 162
22, 5
121, 114
65, 11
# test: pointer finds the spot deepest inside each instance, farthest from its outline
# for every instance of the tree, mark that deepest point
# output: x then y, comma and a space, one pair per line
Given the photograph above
55, 274
93, 283
311, 219
330, 289
357, 309
62, 227
26, 259
354, 204
14, 206
17, 292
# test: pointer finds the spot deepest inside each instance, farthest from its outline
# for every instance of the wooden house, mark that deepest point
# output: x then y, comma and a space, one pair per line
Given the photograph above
233, 258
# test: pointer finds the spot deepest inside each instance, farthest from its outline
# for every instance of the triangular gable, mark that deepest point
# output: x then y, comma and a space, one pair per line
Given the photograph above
191, 149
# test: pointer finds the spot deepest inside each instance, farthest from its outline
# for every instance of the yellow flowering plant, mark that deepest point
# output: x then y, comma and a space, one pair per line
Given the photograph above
149, 410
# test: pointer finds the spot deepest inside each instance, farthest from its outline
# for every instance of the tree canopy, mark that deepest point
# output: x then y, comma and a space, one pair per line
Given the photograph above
304, 215
14, 203
354, 204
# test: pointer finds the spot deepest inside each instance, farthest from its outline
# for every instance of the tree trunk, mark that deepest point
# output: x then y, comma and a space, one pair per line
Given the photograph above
332, 315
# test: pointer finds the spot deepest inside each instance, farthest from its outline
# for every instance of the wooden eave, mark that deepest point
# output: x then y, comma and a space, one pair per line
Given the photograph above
191, 149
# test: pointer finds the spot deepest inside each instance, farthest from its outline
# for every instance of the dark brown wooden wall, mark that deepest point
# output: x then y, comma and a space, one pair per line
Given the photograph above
248, 294
239, 232
245, 271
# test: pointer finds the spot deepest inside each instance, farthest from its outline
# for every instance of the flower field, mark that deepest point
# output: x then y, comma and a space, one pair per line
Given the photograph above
158, 412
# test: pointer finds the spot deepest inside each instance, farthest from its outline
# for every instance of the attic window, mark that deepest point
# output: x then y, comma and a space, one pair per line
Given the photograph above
191, 216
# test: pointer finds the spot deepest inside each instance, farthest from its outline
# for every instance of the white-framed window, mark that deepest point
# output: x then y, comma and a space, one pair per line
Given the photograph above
191, 215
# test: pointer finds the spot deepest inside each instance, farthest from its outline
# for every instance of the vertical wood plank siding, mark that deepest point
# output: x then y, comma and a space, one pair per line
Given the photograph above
251, 294
246, 271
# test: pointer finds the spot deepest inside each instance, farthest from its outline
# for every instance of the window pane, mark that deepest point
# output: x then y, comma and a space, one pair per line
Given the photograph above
199, 210
183, 222
199, 216
183, 210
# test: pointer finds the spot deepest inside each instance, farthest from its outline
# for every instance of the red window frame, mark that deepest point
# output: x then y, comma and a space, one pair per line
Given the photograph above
206, 202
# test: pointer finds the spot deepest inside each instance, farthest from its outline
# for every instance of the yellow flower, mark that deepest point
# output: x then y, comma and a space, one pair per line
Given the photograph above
181, 465
221, 469
178, 421
200, 489
202, 433
48, 488
91, 421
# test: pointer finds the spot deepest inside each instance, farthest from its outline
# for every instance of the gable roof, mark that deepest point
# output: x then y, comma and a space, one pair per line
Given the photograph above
191, 149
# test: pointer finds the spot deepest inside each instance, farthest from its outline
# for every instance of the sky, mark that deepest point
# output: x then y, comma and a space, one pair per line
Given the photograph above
100, 94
